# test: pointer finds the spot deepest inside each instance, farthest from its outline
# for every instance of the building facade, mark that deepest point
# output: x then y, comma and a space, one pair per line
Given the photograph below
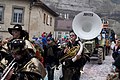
33, 15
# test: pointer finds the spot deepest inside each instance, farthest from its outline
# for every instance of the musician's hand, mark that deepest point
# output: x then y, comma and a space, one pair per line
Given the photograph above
68, 62
78, 57
9, 74
66, 49
5, 41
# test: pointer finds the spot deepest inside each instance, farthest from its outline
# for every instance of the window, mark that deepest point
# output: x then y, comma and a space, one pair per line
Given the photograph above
47, 19
66, 33
60, 15
66, 16
1, 14
59, 34
18, 15
44, 18
50, 21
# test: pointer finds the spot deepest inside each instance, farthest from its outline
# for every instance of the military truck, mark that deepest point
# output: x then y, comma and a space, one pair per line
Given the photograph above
100, 46
95, 49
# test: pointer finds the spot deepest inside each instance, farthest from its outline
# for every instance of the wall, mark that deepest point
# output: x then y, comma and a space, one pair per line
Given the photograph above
37, 25
8, 14
33, 19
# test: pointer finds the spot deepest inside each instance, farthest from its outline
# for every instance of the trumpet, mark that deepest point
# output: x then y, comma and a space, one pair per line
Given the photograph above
7, 70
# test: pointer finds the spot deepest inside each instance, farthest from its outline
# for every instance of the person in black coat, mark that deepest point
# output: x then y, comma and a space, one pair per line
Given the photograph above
50, 57
71, 69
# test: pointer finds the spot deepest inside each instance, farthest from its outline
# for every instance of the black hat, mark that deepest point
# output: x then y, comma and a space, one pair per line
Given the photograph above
17, 27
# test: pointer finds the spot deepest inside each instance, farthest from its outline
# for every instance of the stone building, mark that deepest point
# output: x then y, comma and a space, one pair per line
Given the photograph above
33, 15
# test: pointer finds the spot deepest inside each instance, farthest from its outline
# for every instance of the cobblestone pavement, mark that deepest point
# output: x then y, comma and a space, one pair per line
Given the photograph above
92, 70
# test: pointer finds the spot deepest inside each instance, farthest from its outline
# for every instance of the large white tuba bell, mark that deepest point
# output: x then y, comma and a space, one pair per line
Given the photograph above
86, 25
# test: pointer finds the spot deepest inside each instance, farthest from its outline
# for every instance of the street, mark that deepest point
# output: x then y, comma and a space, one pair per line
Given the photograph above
92, 70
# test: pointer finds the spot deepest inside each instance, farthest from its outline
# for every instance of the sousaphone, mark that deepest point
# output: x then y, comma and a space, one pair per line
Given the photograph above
86, 25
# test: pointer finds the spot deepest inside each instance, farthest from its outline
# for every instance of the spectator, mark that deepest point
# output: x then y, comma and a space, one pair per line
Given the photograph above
51, 57
116, 50
49, 35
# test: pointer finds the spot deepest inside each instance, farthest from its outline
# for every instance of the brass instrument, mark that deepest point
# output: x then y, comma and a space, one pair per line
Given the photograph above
8, 69
35, 66
87, 25
71, 53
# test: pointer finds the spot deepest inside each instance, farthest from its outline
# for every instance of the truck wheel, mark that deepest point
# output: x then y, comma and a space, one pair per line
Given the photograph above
104, 52
100, 55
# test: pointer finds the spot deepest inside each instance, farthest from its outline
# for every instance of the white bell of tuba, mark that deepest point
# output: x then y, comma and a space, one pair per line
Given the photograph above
86, 25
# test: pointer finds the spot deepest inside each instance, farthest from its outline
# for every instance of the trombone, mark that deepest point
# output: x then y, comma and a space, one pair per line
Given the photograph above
7, 70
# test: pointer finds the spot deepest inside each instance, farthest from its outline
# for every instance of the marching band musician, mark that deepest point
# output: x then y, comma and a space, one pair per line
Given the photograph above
18, 33
27, 66
71, 70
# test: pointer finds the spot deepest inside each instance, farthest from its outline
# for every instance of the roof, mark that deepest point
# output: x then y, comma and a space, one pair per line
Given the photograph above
65, 25
45, 7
